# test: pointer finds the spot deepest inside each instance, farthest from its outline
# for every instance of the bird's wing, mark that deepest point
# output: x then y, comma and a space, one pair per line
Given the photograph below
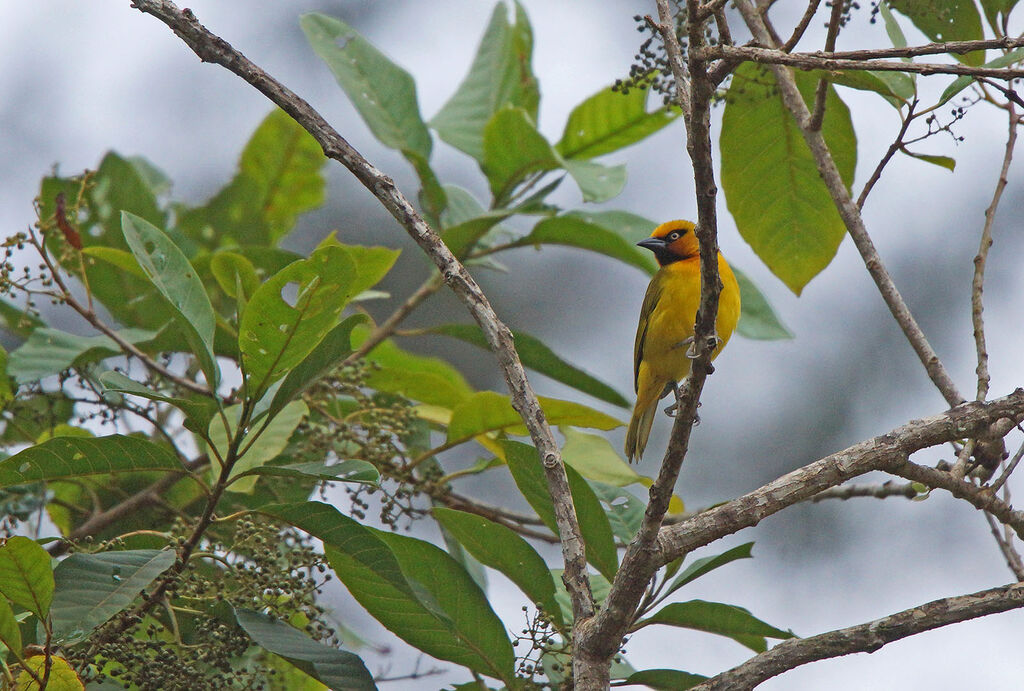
650, 303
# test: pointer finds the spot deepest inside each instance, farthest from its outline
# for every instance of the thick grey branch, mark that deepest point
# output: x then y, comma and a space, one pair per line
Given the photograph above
211, 48
866, 638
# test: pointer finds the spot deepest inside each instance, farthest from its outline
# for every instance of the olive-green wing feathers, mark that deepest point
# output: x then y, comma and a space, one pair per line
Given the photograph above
650, 302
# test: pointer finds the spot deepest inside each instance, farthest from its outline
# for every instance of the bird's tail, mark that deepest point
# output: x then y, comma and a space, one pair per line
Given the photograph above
640, 426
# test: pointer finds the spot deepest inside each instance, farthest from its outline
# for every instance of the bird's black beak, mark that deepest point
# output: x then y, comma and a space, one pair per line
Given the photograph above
652, 244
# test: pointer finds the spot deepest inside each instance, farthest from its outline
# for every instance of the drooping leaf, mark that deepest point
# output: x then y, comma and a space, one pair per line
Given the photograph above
489, 411
382, 92
665, 679
359, 472
501, 548
279, 178
277, 332
706, 564
500, 76
26, 578
771, 183
540, 358
722, 619
91, 588
62, 458
413, 588
945, 20
175, 279
335, 347
940, 161
49, 351
757, 318
198, 411
513, 149
339, 669
573, 231
597, 533
895, 87
611, 120
963, 81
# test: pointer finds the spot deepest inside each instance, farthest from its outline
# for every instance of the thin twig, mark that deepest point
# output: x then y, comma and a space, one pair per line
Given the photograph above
801, 27
850, 214
1013, 561
978, 282
821, 92
954, 47
211, 48
1010, 467
882, 491
865, 638
388, 326
896, 145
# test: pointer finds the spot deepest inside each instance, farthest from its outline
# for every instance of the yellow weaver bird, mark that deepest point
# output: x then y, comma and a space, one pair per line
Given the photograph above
665, 332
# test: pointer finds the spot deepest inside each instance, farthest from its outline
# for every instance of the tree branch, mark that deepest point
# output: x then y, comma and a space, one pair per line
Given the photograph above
866, 638
211, 48
885, 452
882, 491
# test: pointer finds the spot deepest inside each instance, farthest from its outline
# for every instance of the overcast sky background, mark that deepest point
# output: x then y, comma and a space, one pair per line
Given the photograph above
78, 79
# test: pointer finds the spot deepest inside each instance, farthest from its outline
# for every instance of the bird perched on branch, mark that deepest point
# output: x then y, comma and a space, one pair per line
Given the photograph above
662, 352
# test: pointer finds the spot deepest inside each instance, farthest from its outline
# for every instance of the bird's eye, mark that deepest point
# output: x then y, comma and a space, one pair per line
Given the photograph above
673, 236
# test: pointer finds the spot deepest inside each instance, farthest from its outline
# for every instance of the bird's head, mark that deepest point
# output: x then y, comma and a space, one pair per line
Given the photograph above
671, 242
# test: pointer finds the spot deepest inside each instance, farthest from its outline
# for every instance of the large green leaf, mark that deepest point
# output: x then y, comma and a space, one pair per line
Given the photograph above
513, 148
413, 588
91, 588
574, 231
382, 92
489, 411
173, 275
771, 183
665, 679
757, 318
500, 76
339, 669
611, 120
500, 548
276, 334
25, 575
945, 20
719, 618
540, 358
335, 347
530, 479
64, 458
279, 178
49, 351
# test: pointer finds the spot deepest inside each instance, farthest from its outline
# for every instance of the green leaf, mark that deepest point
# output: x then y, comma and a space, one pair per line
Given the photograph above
992, 8
91, 588
597, 182
513, 149
173, 275
595, 459
382, 92
489, 411
62, 676
892, 27
466, 221
715, 617
945, 20
17, 321
530, 479
414, 589
338, 669
372, 263
895, 87
771, 183
702, 566
279, 178
198, 411
500, 76
231, 269
49, 351
26, 578
359, 472
631, 227
757, 318
335, 347
62, 458
599, 586
540, 358
258, 450
276, 334
941, 161
573, 231
665, 679
10, 634
120, 258
611, 120
963, 81
500, 548
625, 512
